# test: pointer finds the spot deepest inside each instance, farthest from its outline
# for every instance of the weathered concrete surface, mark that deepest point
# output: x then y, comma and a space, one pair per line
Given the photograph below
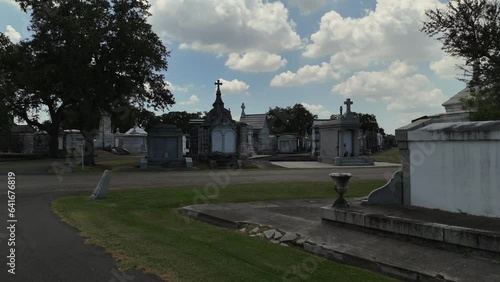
466, 230
389, 194
388, 255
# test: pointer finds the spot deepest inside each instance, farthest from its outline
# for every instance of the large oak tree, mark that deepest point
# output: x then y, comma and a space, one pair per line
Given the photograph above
87, 58
290, 120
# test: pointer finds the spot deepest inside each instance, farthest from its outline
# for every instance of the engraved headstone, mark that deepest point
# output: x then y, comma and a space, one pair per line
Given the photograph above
102, 188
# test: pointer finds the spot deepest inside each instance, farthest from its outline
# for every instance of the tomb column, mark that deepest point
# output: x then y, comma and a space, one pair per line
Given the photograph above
243, 141
355, 143
340, 144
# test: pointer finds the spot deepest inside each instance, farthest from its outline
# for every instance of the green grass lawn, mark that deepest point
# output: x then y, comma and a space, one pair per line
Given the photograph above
143, 229
103, 161
108, 161
389, 156
121, 160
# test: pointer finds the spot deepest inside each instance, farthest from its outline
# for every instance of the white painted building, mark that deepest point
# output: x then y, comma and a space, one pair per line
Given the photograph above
450, 163
105, 138
73, 139
456, 167
134, 140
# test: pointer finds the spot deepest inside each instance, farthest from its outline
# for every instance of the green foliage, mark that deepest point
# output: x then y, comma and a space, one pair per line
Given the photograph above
290, 120
180, 119
483, 105
5, 118
470, 29
5, 84
148, 119
388, 156
87, 58
369, 122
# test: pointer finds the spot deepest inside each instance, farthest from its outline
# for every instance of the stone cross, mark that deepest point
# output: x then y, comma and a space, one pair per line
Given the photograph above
218, 83
348, 103
243, 109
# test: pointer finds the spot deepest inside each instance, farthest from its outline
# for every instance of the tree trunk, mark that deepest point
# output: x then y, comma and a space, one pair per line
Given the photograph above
54, 141
53, 145
88, 157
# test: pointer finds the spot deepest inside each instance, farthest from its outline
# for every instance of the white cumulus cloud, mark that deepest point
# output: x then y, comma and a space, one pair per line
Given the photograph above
256, 61
226, 26
390, 32
400, 86
447, 67
233, 86
306, 74
12, 34
193, 100
176, 88
317, 110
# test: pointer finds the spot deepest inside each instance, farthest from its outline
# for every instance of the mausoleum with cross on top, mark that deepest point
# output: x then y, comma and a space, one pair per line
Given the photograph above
216, 135
339, 139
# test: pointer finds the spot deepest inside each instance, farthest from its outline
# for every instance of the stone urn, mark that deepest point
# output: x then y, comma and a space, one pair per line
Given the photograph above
340, 180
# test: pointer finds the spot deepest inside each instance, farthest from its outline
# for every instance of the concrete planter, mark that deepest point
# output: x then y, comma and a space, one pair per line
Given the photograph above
341, 180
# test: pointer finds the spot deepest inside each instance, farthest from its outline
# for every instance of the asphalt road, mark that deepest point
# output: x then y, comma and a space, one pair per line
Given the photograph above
47, 183
49, 250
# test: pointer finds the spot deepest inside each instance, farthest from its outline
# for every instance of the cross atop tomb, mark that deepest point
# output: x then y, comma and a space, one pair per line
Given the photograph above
218, 83
348, 103
243, 109
218, 100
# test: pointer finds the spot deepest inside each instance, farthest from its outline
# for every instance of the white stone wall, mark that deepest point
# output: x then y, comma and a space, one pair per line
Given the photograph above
74, 140
134, 143
456, 171
328, 145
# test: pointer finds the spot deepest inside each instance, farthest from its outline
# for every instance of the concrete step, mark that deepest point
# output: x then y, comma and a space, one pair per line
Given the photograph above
450, 228
354, 162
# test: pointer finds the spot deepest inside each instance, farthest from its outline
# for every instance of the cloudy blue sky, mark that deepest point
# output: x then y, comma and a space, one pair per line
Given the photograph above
314, 52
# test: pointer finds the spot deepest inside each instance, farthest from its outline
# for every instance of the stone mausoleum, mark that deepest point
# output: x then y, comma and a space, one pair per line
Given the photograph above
339, 139
257, 132
217, 136
164, 145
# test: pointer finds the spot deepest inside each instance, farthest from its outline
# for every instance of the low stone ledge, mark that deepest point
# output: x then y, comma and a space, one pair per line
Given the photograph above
215, 220
341, 215
467, 237
330, 253
473, 238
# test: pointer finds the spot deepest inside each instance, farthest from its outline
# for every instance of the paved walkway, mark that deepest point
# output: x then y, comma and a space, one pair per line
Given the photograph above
405, 259
49, 250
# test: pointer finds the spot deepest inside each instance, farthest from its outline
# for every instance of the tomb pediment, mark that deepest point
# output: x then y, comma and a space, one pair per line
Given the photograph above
219, 115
